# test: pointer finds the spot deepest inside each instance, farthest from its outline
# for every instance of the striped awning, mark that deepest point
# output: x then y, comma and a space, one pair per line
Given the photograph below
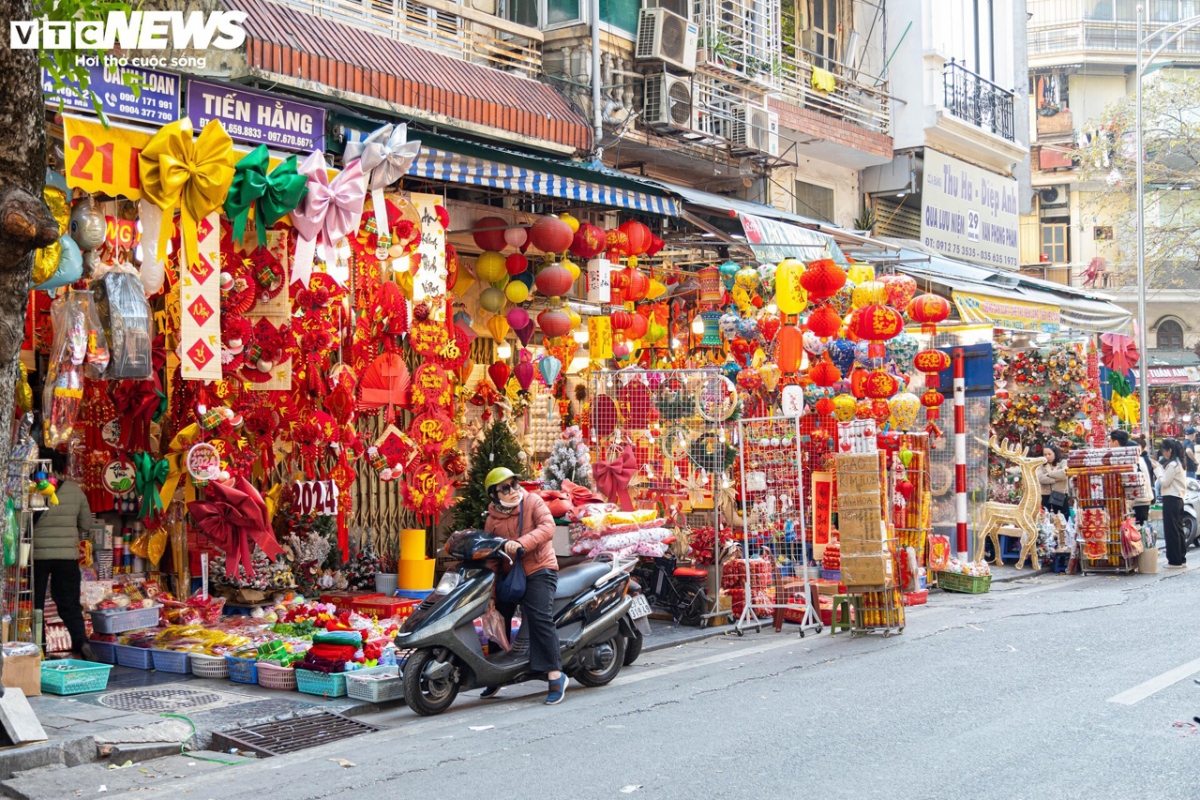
441, 165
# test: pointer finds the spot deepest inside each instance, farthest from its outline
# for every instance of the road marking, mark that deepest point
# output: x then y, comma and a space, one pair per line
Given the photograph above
1156, 684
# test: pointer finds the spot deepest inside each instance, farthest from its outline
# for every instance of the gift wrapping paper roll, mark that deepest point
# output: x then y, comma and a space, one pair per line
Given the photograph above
412, 544
416, 574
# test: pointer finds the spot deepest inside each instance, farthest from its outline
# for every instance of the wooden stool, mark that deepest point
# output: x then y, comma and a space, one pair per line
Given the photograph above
849, 603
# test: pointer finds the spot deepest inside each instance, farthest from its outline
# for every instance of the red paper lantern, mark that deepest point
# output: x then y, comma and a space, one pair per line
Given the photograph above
858, 380
789, 348
880, 385
877, 323
621, 320
932, 399
554, 281
616, 242
639, 237
636, 285
824, 373
929, 309
825, 406
554, 323
656, 244
822, 279
934, 361
516, 264
490, 239
637, 328
498, 372
824, 321
551, 235
588, 241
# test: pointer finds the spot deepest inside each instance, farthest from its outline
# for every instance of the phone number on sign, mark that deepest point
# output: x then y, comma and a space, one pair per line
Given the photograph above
965, 251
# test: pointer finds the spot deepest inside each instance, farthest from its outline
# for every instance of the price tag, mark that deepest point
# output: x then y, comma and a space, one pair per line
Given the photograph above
103, 160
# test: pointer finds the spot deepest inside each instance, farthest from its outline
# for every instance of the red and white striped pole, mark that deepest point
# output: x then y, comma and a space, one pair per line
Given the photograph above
960, 451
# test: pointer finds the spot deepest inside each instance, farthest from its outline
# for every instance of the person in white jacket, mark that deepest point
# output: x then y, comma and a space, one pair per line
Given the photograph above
1174, 485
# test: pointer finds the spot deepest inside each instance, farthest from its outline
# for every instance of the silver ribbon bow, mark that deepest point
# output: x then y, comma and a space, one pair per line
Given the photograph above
386, 155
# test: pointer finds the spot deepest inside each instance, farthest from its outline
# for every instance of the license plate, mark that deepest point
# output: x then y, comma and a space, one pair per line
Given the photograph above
640, 608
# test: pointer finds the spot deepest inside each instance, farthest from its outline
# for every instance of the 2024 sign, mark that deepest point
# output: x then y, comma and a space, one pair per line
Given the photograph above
316, 498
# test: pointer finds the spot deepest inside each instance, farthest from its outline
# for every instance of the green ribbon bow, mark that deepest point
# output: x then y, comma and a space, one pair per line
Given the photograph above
1120, 384
271, 195
149, 476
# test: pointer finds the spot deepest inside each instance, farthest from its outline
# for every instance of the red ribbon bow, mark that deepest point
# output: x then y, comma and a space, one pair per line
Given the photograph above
135, 403
613, 477
232, 517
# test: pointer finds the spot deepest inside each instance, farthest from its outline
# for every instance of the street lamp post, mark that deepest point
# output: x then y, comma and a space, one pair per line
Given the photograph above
1183, 26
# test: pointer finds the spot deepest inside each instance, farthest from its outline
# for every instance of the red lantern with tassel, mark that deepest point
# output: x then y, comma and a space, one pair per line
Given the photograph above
822, 279
621, 320
876, 324
824, 321
929, 309
880, 385
638, 236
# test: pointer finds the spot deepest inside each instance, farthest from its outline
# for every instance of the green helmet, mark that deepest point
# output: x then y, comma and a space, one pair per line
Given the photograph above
497, 476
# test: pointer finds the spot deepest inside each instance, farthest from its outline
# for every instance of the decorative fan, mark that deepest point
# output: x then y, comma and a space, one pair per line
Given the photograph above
716, 398
384, 384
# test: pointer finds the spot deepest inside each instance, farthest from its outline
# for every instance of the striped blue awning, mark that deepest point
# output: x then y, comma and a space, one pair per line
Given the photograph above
445, 166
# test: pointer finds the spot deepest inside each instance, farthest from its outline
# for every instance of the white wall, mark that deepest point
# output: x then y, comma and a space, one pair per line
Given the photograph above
842, 180
1090, 95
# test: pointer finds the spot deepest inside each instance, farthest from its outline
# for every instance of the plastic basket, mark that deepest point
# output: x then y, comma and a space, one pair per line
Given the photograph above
273, 676
385, 607
205, 666
321, 684
242, 670
831, 574
376, 684
126, 620
74, 677
135, 657
170, 661
103, 651
966, 584
414, 594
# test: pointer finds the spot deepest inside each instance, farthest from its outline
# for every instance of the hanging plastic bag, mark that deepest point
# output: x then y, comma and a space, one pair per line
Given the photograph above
128, 325
79, 350
495, 628
12, 533
1131, 539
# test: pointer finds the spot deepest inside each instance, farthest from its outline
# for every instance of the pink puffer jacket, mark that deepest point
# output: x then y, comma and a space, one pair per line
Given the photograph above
534, 532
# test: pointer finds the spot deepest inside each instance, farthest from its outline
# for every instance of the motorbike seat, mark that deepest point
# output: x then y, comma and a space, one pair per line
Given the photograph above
575, 580
688, 572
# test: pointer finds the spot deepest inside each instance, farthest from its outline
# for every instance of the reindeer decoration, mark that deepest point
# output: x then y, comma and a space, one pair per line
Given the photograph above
1022, 516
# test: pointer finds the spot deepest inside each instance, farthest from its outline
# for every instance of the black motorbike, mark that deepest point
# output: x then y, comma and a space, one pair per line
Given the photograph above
591, 612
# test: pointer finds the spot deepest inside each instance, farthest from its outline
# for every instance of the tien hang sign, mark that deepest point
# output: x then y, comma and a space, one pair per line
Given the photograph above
969, 213
256, 117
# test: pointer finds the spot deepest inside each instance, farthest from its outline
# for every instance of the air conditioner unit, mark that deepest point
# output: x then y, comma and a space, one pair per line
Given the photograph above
681, 7
757, 128
663, 36
669, 102
1054, 196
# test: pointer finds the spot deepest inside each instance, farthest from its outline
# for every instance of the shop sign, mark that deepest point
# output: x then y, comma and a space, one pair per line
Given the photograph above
256, 117
1172, 376
1013, 315
118, 476
773, 241
316, 498
156, 102
103, 160
969, 213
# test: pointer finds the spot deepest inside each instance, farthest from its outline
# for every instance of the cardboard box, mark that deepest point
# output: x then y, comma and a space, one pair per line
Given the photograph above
858, 473
828, 588
24, 673
867, 570
856, 500
1148, 561
863, 524
862, 547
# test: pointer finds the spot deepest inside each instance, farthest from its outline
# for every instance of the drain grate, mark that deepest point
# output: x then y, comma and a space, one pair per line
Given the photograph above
288, 736
163, 699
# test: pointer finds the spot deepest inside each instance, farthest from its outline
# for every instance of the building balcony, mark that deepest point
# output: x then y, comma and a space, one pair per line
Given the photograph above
976, 100
858, 98
1101, 31
441, 26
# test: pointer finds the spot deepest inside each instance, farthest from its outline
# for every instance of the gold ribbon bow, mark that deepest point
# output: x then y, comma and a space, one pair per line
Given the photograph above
193, 175
176, 456
1128, 409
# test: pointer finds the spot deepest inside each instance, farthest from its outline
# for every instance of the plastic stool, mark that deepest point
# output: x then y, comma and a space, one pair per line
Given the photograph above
851, 605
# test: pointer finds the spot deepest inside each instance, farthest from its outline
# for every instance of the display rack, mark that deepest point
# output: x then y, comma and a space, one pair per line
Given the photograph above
674, 424
879, 611
913, 521
1100, 478
16, 608
773, 523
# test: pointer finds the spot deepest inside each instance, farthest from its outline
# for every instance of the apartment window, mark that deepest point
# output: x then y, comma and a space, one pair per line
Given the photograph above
1170, 335
814, 201
622, 14
530, 13
562, 12
1054, 242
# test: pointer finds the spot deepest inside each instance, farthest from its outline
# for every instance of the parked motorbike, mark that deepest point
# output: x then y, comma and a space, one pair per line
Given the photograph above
591, 612
1191, 513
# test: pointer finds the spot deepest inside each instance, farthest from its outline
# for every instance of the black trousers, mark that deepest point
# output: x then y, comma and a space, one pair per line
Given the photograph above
64, 579
1141, 514
537, 614
1173, 529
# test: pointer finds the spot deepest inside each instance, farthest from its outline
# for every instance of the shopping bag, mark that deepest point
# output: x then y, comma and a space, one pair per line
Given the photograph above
495, 627
511, 588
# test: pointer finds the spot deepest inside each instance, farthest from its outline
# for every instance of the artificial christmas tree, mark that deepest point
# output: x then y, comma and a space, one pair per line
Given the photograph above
497, 447
568, 461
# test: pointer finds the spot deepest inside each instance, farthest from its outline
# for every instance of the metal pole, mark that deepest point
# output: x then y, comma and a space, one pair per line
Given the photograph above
597, 111
962, 543
1143, 383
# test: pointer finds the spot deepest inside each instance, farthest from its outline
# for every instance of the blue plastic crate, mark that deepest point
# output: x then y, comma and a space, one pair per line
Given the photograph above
1010, 548
1060, 561
320, 683
171, 661
243, 670
104, 651
74, 677
135, 657
831, 574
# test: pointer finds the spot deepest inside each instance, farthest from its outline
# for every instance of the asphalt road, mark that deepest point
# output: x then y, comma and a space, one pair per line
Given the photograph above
1005, 695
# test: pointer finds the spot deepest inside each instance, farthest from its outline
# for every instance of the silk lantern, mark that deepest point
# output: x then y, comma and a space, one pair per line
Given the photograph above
499, 328
858, 383
490, 267
904, 408
768, 326
551, 235
728, 272
525, 333
491, 299
554, 323
571, 267
516, 263
860, 273
790, 296
900, 291
489, 233
517, 318
571, 222
844, 406
549, 367
498, 372
868, 293
880, 411
822, 278
516, 292
929, 309
588, 241
516, 237
553, 281
524, 371
789, 348
824, 322
771, 373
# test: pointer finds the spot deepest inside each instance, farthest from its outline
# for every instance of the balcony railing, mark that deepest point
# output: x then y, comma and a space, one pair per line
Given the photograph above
1070, 26
974, 99
442, 26
859, 99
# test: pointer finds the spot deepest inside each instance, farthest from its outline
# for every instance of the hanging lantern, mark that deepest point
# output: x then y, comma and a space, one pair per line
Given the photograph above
553, 281
638, 235
790, 296
747, 278
638, 327
549, 367
525, 333
826, 406
551, 235
880, 385
516, 292
868, 293
491, 299
860, 272
499, 372
876, 324
616, 242
929, 309
824, 373
880, 411
931, 361
858, 383
932, 399
712, 328
771, 373
636, 285
789, 347
554, 323
572, 223
517, 318
822, 278
573, 268
516, 263
588, 241
656, 244
824, 322
841, 352
523, 372
844, 407
621, 320
728, 272
904, 408
516, 237
490, 267
768, 326
900, 291
499, 328
576, 320
710, 285
488, 233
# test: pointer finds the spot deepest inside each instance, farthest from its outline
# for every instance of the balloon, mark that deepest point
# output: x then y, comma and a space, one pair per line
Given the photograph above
498, 372
904, 408
515, 264
490, 239
844, 407
524, 372
789, 348
516, 292
490, 266
549, 366
525, 333
790, 296
515, 237
499, 328
70, 265
813, 344
491, 299
517, 317
572, 223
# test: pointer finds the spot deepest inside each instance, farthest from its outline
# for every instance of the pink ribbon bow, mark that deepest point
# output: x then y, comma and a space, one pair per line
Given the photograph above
613, 477
233, 517
330, 209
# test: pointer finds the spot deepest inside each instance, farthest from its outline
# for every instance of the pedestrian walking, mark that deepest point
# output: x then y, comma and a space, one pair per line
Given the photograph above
56, 554
1174, 484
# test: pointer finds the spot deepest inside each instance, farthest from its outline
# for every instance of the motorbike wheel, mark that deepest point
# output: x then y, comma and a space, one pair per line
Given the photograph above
1189, 532
424, 695
633, 647
593, 677
693, 602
